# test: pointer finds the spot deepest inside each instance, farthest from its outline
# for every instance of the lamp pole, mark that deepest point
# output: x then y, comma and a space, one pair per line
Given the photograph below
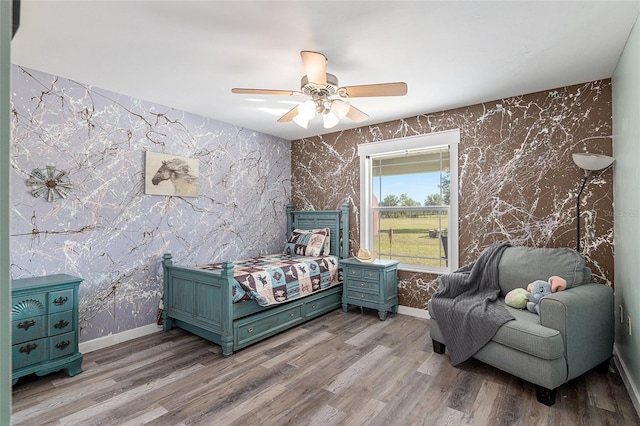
584, 182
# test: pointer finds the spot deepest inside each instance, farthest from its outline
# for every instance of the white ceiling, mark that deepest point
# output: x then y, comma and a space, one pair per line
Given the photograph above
189, 54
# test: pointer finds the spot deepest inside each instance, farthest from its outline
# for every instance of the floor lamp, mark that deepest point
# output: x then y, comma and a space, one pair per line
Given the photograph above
590, 163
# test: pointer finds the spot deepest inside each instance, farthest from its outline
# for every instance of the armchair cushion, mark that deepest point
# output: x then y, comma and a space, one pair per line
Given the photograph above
520, 266
527, 335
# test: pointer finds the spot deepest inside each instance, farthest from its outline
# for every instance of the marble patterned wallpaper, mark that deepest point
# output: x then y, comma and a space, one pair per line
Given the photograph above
517, 179
108, 231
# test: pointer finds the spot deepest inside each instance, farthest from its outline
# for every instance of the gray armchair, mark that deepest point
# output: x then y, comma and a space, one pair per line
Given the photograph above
573, 333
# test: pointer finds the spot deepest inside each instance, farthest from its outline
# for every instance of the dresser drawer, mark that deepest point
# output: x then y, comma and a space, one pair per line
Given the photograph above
370, 286
28, 306
64, 344
59, 323
28, 329
60, 300
28, 353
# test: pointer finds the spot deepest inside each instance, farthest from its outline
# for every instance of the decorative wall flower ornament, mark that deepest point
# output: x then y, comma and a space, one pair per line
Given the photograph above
49, 184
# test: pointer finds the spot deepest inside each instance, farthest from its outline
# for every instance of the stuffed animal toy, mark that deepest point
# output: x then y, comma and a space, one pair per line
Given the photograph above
557, 283
516, 298
537, 290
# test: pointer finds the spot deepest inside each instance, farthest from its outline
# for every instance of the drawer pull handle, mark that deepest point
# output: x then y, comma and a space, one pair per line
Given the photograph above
26, 324
292, 314
361, 284
61, 324
60, 300
250, 330
369, 273
313, 306
63, 344
362, 295
27, 349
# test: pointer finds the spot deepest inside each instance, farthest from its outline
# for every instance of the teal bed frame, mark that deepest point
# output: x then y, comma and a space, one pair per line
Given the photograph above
200, 300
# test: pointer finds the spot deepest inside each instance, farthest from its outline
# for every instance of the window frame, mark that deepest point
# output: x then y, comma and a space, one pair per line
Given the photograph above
366, 151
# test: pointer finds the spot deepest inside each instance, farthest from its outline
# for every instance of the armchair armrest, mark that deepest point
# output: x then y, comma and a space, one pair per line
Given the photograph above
584, 316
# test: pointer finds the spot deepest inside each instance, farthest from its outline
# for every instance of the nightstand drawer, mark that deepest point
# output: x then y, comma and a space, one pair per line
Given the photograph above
363, 285
60, 300
61, 322
362, 295
370, 274
28, 353
27, 329
62, 345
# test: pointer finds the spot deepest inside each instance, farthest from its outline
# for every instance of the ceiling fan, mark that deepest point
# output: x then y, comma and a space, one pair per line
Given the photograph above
327, 98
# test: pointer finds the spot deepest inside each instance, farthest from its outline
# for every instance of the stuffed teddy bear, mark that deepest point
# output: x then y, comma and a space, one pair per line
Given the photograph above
537, 290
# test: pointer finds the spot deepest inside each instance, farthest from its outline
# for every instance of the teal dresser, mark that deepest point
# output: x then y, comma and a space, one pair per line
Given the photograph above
370, 285
44, 325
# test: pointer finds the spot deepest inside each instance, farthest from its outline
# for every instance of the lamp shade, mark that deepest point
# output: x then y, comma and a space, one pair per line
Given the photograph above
588, 161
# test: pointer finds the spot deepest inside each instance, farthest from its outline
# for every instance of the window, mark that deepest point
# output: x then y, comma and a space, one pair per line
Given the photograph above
409, 200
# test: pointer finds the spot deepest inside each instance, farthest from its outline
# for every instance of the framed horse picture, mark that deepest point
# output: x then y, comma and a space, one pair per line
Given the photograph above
167, 174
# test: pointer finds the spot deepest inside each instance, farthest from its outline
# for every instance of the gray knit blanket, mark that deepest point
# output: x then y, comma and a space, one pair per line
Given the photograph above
466, 305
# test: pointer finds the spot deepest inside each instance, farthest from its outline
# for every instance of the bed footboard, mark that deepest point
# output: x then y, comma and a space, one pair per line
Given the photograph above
200, 302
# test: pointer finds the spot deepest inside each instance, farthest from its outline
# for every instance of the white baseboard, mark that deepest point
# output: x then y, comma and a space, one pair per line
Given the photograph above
414, 312
631, 388
114, 339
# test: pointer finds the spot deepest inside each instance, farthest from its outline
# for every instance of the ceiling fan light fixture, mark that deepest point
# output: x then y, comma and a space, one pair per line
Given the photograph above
322, 88
301, 121
307, 110
330, 120
340, 108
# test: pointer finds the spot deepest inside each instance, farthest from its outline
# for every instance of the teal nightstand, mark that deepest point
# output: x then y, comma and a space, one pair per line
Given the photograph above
44, 325
370, 285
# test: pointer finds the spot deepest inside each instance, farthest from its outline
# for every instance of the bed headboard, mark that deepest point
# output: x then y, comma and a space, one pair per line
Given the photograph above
336, 220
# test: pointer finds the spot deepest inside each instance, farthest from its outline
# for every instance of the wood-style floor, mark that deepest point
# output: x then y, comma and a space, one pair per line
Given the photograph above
340, 369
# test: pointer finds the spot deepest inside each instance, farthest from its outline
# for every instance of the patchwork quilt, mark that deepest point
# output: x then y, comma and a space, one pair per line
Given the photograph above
278, 278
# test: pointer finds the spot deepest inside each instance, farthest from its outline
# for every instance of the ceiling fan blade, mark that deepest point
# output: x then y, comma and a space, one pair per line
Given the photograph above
315, 66
368, 90
242, 91
356, 115
289, 115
